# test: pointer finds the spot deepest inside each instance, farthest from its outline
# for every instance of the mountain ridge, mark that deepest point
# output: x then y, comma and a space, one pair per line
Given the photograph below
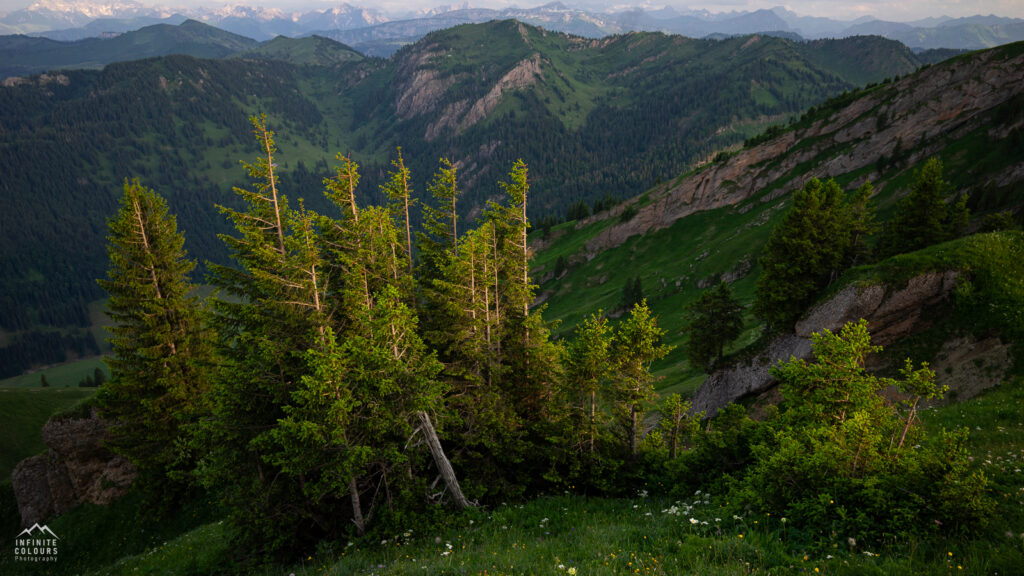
708, 225
376, 33
592, 117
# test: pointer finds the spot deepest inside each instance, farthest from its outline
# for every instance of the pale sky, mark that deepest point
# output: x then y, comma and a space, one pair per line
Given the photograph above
905, 10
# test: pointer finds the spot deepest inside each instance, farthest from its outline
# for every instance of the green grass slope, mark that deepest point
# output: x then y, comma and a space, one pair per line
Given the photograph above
23, 412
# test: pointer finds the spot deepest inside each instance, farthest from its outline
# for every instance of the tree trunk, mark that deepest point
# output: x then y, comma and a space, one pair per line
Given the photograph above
633, 431
357, 508
443, 465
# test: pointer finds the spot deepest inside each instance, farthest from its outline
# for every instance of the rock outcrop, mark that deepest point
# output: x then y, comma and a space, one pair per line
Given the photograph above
967, 365
77, 468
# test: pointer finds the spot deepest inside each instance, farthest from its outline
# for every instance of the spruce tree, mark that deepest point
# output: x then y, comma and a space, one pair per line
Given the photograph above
926, 216
804, 253
158, 354
713, 320
587, 369
635, 346
265, 321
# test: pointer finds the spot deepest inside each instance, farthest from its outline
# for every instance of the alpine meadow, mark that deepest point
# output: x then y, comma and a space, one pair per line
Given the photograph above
510, 301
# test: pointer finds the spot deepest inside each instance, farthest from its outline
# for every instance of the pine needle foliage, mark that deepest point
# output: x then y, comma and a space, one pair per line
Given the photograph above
159, 353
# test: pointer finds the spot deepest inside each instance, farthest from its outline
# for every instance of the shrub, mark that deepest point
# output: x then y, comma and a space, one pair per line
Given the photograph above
842, 460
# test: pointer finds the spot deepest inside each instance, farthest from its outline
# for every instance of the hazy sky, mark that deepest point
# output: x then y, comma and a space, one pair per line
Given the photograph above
839, 9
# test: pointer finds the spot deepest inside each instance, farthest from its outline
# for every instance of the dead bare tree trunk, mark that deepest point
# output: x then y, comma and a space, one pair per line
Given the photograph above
357, 507
443, 465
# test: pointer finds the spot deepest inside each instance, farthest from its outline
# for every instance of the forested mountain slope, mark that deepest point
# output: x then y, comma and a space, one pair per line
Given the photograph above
22, 55
590, 117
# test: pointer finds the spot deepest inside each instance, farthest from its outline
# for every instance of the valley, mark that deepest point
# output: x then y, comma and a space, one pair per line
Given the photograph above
588, 116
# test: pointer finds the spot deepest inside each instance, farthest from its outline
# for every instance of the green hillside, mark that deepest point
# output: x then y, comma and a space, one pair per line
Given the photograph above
314, 51
24, 56
676, 261
24, 411
592, 118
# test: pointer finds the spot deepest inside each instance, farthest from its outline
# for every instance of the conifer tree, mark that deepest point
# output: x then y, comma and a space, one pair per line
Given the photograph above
399, 193
678, 423
804, 253
632, 293
925, 216
586, 370
713, 320
270, 317
441, 221
159, 356
635, 346
862, 225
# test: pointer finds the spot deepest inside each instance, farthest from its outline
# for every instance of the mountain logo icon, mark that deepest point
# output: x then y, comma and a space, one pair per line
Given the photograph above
36, 530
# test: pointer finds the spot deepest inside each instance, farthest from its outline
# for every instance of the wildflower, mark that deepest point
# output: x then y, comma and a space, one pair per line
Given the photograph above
694, 521
783, 520
572, 571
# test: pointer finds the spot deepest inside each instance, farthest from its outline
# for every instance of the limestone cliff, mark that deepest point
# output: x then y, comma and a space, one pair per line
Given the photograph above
966, 364
77, 468
914, 116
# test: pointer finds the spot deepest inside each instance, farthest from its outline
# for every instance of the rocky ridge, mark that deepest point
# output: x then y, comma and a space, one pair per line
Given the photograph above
919, 111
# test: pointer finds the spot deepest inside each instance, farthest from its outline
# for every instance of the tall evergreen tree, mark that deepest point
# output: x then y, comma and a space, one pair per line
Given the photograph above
399, 193
587, 368
636, 345
926, 216
266, 322
159, 355
632, 293
804, 253
713, 320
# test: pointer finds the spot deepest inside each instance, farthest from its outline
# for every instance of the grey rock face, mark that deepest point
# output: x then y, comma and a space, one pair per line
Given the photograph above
78, 468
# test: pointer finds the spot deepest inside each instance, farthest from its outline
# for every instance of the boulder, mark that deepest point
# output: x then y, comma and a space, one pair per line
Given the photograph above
77, 468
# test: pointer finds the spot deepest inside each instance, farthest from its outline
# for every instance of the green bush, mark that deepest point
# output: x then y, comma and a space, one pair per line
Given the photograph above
841, 459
